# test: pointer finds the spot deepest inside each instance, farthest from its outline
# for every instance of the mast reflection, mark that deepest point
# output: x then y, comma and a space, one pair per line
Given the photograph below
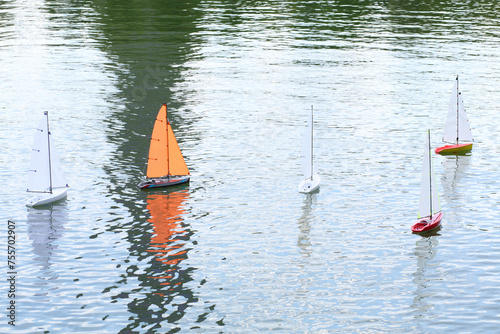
424, 276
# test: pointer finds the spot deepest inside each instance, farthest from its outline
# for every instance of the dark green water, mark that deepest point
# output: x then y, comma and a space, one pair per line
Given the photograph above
239, 250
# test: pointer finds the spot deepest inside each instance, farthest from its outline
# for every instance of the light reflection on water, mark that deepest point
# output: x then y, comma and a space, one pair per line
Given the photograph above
239, 250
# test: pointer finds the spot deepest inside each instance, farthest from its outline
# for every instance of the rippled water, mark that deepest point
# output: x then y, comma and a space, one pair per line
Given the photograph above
239, 249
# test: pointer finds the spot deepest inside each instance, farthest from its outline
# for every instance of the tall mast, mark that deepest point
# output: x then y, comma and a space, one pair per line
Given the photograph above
430, 170
166, 129
457, 108
312, 172
48, 145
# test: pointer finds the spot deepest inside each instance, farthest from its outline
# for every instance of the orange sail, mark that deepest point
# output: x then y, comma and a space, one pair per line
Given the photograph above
165, 157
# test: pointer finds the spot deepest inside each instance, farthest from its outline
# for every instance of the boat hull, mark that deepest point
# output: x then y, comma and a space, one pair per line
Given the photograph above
163, 182
454, 149
310, 184
426, 224
47, 198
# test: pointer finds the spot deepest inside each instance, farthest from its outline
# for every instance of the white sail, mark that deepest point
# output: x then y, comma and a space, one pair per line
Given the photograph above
39, 175
45, 171
456, 126
464, 132
58, 177
311, 180
307, 142
428, 185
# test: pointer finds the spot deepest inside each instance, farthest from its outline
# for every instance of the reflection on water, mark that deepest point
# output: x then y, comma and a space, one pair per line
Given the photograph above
166, 212
425, 251
164, 294
304, 225
45, 228
454, 169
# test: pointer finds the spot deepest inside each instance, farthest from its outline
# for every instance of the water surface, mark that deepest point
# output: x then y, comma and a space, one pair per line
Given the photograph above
239, 249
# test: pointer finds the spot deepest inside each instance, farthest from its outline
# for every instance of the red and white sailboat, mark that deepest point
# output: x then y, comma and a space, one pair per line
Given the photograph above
429, 211
456, 130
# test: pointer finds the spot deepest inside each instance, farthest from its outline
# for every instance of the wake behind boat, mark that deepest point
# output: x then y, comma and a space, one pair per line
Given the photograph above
166, 166
457, 130
46, 177
429, 212
311, 180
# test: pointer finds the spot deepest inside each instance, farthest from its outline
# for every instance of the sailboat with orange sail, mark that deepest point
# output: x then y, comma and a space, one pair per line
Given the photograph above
166, 166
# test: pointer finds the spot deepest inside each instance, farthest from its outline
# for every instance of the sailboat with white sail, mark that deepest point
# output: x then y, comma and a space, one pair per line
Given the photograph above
311, 180
166, 166
429, 213
457, 131
46, 178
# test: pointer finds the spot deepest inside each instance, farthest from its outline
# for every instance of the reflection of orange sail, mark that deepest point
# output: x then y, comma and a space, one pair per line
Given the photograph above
166, 217
165, 157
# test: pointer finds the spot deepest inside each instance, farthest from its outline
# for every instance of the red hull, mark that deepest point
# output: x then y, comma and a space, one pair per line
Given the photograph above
425, 224
454, 149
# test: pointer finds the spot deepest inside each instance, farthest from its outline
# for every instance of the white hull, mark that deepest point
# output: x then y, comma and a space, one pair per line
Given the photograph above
46, 198
310, 184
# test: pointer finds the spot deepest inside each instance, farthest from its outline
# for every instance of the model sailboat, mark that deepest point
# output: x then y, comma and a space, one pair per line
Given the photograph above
429, 212
46, 177
166, 165
311, 180
457, 130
